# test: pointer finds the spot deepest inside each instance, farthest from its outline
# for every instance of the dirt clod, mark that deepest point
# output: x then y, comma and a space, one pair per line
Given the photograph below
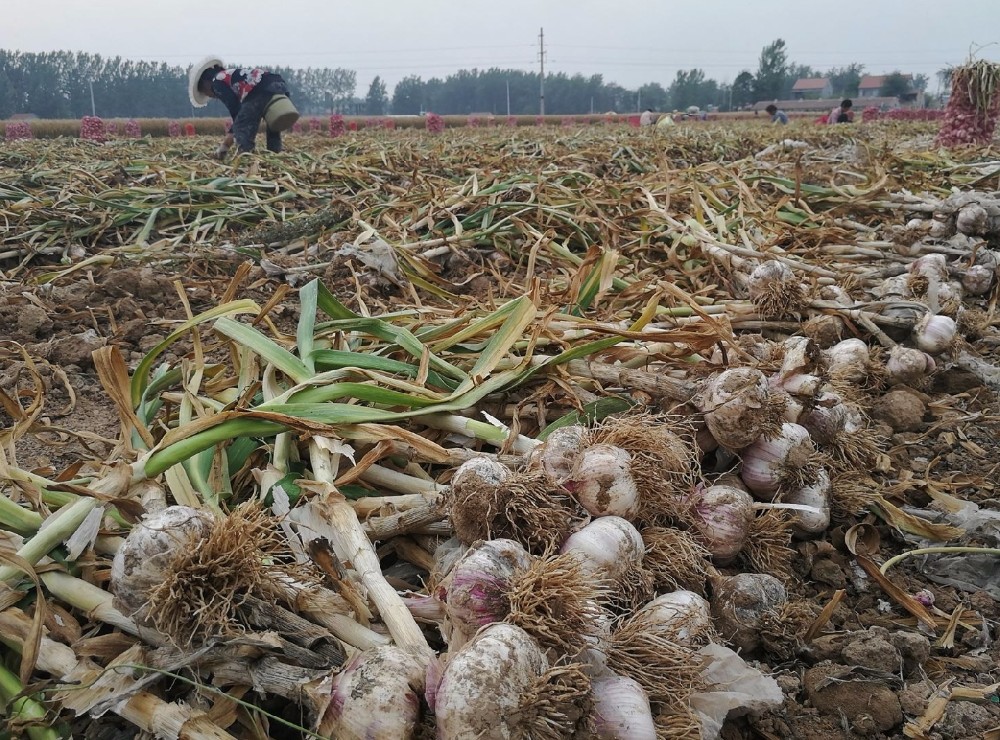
870, 706
33, 321
873, 650
900, 409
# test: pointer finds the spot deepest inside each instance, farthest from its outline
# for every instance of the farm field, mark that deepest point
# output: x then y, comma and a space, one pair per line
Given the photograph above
729, 390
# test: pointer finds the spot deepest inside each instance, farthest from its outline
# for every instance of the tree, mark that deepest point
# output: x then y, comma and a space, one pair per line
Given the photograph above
685, 89
895, 85
944, 77
845, 80
920, 82
377, 99
652, 95
743, 87
407, 98
771, 71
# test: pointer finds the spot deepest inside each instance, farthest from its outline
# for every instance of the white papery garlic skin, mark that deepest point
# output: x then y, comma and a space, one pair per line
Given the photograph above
978, 279
733, 403
848, 360
558, 454
376, 695
475, 590
680, 616
621, 710
149, 548
606, 547
765, 460
722, 518
481, 470
602, 482
816, 495
482, 685
935, 333
908, 366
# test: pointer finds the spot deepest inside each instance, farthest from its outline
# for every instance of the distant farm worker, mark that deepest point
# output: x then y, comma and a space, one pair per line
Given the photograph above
843, 113
646, 119
250, 94
777, 116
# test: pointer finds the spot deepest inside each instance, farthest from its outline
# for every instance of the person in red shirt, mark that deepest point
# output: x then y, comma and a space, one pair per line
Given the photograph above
246, 93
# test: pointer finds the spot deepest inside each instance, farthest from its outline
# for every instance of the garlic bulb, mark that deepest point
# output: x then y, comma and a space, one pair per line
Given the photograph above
606, 547
978, 279
769, 463
680, 616
816, 495
723, 515
480, 471
773, 287
740, 605
469, 705
610, 552
933, 267
836, 294
557, 455
895, 286
908, 366
621, 710
825, 420
602, 482
376, 695
148, 550
934, 333
848, 360
475, 591
737, 406
972, 219
941, 228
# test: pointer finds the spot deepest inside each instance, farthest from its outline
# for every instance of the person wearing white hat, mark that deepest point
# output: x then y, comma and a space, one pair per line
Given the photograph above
250, 95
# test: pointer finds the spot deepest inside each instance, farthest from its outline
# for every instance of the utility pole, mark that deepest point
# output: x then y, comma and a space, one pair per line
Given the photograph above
93, 108
541, 58
508, 97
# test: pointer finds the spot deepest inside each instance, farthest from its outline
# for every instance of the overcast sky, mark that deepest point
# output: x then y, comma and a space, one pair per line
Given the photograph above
628, 41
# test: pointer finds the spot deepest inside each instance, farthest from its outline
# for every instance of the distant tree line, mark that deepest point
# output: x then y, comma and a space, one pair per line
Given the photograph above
59, 85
